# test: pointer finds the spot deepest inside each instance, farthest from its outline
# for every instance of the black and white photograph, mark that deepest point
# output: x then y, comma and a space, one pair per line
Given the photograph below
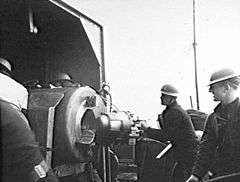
120, 90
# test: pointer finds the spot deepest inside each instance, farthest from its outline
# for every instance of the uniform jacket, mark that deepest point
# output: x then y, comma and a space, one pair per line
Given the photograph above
220, 143
179, 130
13, 92
19, 150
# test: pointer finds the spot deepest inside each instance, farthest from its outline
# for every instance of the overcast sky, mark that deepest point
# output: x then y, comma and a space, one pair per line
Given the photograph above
149, 43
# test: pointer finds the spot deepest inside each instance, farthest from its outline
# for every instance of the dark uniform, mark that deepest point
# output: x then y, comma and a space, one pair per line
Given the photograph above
220, 141
179, 130
21, 157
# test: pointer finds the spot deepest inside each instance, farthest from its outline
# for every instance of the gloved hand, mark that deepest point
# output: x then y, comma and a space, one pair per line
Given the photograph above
193, 178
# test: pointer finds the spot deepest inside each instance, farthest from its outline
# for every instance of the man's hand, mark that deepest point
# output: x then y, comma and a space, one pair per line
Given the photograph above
143, 125
193, 178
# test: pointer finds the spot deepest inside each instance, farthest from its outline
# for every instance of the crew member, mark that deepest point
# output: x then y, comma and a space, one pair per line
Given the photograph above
219, 149
178, 129
21, 157
11, 90
64, 80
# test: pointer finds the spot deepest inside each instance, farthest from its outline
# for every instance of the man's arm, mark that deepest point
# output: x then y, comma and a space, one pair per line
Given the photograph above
170, 131
205, 155
157, 134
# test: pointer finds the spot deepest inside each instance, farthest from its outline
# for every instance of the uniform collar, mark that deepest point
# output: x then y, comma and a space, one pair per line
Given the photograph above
172, 104
230, 106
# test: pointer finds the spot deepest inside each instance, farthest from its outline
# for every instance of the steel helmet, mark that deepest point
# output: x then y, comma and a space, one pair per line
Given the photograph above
6, 64
221, 75
169, 90
62, 76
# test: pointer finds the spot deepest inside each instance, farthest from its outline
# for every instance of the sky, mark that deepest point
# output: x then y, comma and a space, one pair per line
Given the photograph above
149, 44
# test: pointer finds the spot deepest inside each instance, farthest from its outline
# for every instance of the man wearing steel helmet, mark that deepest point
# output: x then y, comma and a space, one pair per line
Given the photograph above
64, 80
21, 158
178, 129
219, 150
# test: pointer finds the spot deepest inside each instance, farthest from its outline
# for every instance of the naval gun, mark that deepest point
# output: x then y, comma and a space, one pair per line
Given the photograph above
76, 132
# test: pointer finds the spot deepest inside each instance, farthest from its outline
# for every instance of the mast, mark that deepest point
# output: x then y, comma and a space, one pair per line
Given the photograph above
195, 55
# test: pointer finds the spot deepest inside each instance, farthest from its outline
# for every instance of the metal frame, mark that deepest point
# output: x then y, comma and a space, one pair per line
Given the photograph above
78, 14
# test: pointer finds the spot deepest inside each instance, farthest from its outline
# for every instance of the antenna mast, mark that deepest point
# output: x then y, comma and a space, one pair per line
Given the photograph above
195, 55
